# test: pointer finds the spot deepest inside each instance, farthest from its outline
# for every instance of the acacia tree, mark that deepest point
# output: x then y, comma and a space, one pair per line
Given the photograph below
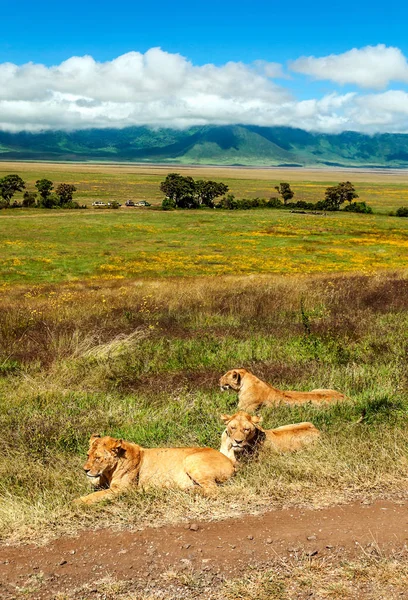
64, 192
285, 191
207, 191
179, 190
44, 187
184, 192
9, 185
336, 195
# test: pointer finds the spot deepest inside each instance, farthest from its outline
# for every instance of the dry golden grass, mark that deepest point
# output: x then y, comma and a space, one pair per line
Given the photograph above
275, 173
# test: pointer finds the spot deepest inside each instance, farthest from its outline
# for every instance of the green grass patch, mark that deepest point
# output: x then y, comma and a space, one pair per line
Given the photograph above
51, 247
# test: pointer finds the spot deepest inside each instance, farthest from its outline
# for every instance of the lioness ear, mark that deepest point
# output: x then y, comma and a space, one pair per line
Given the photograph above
94, 437
117, 446
236, 377
225, 418
256, 419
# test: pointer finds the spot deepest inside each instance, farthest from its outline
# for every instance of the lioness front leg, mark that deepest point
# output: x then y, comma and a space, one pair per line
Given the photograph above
99, 496
208, 488
227, 449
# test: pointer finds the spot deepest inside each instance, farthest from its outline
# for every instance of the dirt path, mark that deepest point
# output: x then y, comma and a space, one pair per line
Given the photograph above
225, 548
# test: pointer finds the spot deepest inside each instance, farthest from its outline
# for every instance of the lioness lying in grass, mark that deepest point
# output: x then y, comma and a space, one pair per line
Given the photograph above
115, 465
244, 435
254, 393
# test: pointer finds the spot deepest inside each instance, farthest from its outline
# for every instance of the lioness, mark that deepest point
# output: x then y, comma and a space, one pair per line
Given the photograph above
116, 465
254, 393
243, 434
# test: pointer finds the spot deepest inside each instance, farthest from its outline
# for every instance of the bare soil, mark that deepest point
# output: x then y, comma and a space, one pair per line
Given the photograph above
218, 550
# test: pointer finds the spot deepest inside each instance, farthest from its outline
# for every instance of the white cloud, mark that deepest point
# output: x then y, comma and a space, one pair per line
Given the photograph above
384, 112
155, 88
162, 89
370, 67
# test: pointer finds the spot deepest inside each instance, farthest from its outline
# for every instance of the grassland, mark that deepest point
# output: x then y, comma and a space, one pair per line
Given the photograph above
100, 330
57, 246
384, 190
141, 360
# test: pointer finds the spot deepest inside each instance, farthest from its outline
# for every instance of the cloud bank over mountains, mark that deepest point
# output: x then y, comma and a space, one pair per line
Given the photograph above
160, 89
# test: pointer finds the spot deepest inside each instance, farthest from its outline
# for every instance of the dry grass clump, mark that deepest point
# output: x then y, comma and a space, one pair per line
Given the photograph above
141, 361
371, 578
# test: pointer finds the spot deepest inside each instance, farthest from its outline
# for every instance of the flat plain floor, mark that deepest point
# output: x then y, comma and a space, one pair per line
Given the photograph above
40, 246
384, 190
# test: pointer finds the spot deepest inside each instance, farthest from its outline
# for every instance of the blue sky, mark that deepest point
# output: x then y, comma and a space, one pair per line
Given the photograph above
212, 31
363, 91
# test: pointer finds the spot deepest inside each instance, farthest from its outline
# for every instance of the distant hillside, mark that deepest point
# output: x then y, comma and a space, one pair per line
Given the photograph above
212, 145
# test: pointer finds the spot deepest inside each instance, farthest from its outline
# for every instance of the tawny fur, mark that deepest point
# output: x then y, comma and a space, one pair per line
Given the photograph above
244, 435
254, 393
117, 465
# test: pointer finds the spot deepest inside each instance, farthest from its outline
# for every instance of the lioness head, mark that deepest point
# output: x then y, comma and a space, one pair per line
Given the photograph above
241, 429
232, 380
103, 456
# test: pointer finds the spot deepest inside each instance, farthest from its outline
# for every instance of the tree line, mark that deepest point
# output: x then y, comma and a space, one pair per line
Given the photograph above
45, 196
185, 192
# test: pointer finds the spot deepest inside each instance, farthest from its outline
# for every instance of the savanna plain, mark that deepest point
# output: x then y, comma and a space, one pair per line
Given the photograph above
122, 321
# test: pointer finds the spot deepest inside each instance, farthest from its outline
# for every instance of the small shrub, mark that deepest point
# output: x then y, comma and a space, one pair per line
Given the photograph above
228, 202
301, 205
245, 204
402, 211
359, 207
74, 205
274, 203
168, 204
29, 199
51, 201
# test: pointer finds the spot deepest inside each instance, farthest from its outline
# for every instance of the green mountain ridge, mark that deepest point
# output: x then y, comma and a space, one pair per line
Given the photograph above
246, 145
